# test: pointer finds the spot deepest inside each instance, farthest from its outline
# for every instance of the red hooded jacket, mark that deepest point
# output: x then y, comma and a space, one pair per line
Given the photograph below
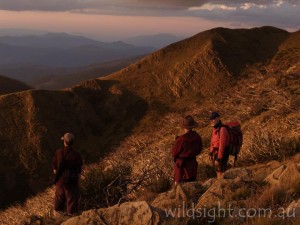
219, 140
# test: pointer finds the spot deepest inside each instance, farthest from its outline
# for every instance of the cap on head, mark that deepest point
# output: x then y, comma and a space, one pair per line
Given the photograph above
214, 115
68, 137
188, 122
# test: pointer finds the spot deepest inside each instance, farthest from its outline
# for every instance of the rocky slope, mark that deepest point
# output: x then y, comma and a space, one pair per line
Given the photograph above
273, 186
247, 75
100, 113
243, 191
203, 64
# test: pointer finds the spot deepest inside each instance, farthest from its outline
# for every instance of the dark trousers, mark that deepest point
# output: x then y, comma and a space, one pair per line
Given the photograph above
185, 170
66, 197
224, 161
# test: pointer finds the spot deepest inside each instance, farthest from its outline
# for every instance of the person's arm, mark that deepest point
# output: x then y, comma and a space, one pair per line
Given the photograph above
224, 139
211, 149
177, 148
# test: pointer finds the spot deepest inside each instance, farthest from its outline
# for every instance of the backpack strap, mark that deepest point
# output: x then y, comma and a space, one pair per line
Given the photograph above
219, 129
235, 156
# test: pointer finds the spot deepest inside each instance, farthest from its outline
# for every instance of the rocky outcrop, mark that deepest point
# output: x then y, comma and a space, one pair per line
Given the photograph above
127, 213
284, 176
243, 173
188, 193
218, 193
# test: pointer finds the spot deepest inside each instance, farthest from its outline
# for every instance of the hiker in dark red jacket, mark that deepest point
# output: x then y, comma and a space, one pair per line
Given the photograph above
67, 185
185, 150
219, 152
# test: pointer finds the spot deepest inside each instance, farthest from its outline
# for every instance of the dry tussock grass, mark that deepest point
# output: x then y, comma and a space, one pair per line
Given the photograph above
265, 104
273, 197
40, 205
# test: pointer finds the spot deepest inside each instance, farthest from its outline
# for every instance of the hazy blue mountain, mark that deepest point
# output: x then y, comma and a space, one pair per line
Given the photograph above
157, 41
46, 77
63, 78
20, 32
63, 50
26, 72
59, 40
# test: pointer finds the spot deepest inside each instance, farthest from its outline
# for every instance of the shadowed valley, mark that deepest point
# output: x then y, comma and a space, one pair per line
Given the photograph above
249, 75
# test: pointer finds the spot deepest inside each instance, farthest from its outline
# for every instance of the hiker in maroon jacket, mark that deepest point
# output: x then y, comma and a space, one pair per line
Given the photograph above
219, 152
67, 184
185, 150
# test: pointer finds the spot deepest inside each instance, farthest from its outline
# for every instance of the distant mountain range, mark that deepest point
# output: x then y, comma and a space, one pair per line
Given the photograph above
157, 41
199, 73
32, 55
61, 78
63, 50
249, 75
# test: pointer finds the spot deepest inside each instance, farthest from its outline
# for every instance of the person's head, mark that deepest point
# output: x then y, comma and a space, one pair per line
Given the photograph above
188, 123
214, 118
68, 139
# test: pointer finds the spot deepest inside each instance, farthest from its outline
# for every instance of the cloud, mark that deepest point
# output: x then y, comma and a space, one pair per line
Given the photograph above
129, 6
211, 7
44, 5
279, 13
282, 13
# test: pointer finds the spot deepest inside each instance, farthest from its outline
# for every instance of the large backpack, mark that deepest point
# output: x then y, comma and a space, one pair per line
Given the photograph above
235, 138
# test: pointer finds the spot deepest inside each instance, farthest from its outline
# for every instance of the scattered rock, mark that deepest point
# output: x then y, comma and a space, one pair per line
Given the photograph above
127, 213
225, 192
218, 194
260, 172
243, 173
33, 220
193, 191
166, 200
187, 192
209, 183
284, 176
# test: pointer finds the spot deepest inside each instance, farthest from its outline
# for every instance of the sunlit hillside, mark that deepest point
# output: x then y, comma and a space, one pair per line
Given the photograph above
130, 118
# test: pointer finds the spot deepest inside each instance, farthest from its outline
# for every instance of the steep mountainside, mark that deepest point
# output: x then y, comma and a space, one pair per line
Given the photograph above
200, 65
223, 69
8, 85
99, 113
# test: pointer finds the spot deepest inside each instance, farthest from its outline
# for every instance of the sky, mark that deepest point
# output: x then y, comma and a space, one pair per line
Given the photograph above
111, 20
